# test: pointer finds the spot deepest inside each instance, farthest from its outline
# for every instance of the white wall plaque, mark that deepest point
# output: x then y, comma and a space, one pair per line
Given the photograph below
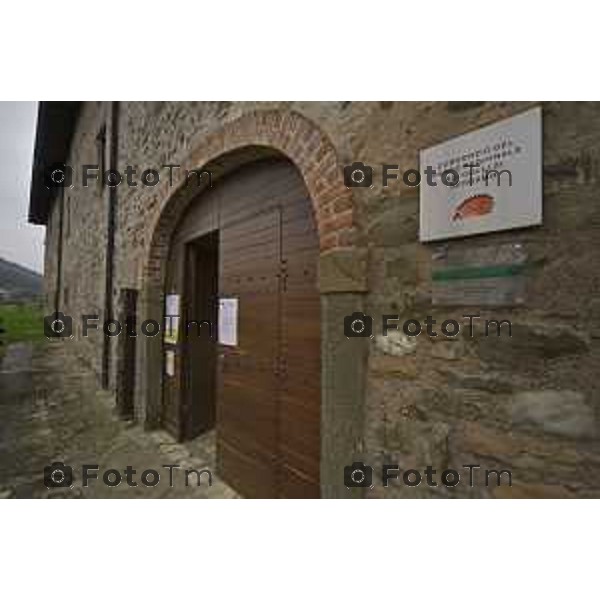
472, 207
228, 321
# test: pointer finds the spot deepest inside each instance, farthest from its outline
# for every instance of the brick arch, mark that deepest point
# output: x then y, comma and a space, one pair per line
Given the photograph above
275, 131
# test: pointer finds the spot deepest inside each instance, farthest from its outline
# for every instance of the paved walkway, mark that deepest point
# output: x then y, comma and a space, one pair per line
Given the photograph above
51, 411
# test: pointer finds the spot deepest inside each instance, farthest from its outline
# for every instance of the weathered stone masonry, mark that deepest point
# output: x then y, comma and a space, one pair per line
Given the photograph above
528, 403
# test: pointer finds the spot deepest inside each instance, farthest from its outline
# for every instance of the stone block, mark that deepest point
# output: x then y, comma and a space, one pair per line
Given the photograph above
393, 366
531, 341
343, 270
560, 412
495, 383
396, 343
448, 350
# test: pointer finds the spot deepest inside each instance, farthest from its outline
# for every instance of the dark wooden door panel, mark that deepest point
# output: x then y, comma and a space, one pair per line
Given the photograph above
249, 474
296, 484
301, 353
126, 352
200, 356
248, 399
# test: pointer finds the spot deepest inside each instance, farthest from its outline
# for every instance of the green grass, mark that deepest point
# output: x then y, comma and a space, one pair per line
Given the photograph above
21, 323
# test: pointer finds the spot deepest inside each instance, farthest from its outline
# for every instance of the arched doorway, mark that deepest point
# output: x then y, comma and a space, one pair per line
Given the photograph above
342, 272
245, 255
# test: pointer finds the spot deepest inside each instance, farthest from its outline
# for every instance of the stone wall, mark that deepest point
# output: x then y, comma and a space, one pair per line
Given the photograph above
528, 403
84, 238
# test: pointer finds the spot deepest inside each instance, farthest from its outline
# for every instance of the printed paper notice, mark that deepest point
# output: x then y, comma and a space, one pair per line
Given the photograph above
171, 325
170, 363
172, 305
228, 321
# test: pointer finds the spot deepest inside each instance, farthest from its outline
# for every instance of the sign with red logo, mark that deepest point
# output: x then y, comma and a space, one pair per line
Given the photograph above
483, 181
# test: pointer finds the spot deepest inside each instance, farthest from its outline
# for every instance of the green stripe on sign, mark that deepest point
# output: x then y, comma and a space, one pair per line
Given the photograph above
477, 272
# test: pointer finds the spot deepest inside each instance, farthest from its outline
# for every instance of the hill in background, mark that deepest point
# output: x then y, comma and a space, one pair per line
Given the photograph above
18, 283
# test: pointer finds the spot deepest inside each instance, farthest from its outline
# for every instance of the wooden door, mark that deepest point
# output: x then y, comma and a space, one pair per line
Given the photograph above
268, 385
300, 380
269, 406
248, 404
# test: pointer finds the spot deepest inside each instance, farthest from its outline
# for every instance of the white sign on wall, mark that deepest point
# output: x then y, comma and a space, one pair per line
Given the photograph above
478, 204
228, 321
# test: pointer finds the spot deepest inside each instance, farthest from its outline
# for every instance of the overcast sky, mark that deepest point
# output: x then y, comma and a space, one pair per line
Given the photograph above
19, 242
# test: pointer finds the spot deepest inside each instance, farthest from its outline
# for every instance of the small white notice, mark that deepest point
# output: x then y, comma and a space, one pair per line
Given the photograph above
499, 183
171, 325
228, 321
170, 363
172, 305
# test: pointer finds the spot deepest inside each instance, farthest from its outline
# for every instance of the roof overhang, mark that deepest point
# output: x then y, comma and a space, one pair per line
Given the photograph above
55, 126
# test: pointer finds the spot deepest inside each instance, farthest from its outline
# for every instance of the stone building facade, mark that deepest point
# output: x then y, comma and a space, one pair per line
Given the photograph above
529, 403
